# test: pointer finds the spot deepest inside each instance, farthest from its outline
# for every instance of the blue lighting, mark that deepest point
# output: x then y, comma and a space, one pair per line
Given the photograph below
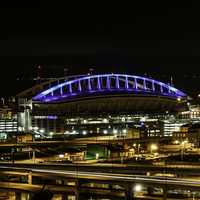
90, 84
52, 117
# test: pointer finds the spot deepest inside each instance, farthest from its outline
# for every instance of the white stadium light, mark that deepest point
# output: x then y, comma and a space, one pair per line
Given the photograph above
105, 131
84, 132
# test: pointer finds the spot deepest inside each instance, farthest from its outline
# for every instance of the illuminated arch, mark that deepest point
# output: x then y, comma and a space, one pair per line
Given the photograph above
107, 83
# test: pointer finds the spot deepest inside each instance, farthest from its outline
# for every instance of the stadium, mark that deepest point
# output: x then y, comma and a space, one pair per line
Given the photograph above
62, 105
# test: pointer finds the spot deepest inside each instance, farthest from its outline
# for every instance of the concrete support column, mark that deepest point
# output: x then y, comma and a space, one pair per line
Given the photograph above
150, 190
33, 158
106, 152
165, 193
17, 195
30, 178
25, 196
129, 192
77, 196
64, 197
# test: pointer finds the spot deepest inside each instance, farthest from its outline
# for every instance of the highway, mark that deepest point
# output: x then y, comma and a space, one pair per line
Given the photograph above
142, 169
84, 141
170, 182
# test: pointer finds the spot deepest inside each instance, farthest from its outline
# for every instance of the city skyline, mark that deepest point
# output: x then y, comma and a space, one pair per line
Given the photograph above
100, 101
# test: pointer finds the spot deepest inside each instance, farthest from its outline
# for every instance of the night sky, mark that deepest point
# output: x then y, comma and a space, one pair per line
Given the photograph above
156, 40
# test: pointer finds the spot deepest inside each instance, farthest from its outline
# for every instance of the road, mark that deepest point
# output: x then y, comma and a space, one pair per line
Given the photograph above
170, 182
142, 169
85, 141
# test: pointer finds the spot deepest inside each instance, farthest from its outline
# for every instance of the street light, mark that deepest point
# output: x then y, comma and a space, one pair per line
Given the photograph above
66, 132
138, 188
105, 120
35, 128
84, 132
153, 147
124, 131
97, 156
138, 149
105, 131
61, 155
51, 133
41, 130
176, 142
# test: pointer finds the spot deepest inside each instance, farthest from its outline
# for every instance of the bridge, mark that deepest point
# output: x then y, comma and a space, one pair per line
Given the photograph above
80, 183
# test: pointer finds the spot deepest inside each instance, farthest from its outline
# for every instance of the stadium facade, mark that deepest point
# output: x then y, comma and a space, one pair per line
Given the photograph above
99, 104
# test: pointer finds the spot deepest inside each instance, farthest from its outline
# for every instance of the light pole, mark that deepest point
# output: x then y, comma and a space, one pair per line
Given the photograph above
33, 149
138, 149
183, 148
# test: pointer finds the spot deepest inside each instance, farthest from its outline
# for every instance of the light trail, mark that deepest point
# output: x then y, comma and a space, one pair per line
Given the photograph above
110, 177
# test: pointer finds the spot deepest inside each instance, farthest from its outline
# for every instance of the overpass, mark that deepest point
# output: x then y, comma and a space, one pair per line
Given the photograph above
81, 180
181, 170
86, 141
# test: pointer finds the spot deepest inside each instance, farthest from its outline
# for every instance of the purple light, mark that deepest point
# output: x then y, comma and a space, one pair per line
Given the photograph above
136, 85
144, 84
89, 84
153, 86
98, 83
48, 95
70, 88
108, 82
127, 86
161, 88
61, 91
52, 117
117, 82
79, 85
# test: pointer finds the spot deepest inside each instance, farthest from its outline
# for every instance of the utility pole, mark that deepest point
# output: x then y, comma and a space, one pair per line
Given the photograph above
171, 81
39, 74
13, 155
91, 70
65, 71
33, 158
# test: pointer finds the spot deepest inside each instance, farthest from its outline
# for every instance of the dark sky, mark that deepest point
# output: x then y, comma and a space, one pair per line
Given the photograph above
159, 40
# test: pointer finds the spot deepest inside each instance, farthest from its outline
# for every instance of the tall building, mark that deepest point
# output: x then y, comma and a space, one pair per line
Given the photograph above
8, 121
